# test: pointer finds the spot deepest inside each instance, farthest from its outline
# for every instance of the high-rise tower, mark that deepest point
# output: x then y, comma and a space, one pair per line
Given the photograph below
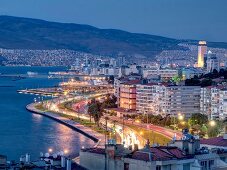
202, 50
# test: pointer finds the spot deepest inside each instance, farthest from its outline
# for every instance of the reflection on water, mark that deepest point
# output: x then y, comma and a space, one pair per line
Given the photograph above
23, 132
37, 118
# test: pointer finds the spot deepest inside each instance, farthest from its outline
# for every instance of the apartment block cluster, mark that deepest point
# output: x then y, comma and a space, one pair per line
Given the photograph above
140, 96
147, 92
119, 67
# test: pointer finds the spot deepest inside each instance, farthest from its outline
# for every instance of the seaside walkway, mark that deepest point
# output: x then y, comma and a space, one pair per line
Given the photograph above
98, 138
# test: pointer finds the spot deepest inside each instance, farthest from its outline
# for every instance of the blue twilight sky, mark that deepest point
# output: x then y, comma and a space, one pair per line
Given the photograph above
194, 19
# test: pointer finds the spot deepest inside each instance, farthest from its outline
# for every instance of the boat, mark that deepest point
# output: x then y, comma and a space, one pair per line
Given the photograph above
29, 73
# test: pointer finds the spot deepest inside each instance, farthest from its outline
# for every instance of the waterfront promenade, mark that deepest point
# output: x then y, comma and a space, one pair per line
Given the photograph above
98, 138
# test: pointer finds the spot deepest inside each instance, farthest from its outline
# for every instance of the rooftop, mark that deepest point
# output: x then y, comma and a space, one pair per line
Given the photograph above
160, 153
217, 141
132, 82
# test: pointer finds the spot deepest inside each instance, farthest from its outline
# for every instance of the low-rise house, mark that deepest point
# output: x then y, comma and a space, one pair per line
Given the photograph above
184, 154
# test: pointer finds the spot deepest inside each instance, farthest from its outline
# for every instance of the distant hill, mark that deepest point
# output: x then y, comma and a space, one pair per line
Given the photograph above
25, 33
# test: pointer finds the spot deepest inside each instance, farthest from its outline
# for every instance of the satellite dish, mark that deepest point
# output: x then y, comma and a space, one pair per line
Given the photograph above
47, 155
41, 154
55, 155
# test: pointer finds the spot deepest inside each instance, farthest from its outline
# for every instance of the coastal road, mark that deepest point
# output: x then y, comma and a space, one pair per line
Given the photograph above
169, 133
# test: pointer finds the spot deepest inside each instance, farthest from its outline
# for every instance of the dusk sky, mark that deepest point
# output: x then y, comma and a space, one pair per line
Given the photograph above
192, 19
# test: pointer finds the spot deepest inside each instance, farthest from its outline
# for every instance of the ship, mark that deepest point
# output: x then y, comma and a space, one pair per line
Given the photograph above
29, 73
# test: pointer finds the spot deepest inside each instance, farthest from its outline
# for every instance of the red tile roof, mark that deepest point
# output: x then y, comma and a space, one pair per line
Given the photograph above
132, 82
160, 153
217, 141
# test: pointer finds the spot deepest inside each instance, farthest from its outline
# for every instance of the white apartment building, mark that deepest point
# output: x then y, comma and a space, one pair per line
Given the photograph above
168, 100
148, 98
213, 102
164, 74
223, 104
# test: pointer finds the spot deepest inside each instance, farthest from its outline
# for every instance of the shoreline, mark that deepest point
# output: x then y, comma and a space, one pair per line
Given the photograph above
91, 134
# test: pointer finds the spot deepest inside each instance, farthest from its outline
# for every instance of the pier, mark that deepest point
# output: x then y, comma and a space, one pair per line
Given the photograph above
42, 92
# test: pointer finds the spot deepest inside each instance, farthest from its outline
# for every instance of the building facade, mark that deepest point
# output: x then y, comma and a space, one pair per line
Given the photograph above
128, 95
165, 74
168, 100
213, 102
202, 50
212, 62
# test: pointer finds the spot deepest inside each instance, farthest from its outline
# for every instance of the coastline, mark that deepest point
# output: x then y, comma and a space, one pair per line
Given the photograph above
98, 138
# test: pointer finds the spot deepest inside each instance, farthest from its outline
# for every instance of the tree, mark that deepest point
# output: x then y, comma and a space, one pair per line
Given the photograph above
221, 72
110, 102
206, 82
198, 118
225, 74
176, 79
95, 110
212, 132
192, 82
195, 129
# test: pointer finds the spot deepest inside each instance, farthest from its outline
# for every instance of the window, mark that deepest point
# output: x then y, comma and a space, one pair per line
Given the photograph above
211, 163
126, 166
203, 164
158, 167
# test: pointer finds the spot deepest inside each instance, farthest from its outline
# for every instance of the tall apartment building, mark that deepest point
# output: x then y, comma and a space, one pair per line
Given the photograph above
128, 95
148, 98
223, 103
168, 100
213, 102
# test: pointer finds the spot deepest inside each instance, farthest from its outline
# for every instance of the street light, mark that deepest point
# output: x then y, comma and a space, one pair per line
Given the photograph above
66, 151
137, 121
180, 117
212, 123
50, 150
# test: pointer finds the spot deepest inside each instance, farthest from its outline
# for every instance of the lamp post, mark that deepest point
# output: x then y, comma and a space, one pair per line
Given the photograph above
180, 117
212, 123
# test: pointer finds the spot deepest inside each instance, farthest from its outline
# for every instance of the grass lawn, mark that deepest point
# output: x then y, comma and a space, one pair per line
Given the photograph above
151, 135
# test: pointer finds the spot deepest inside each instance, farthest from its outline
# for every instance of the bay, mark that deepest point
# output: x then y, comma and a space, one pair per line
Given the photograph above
22, 132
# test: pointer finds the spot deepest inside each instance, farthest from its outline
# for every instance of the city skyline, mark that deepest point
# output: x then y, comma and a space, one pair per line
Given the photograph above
186, 20
80, 90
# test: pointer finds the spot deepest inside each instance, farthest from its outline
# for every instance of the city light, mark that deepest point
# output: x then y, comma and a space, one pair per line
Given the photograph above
50, 150
137, 121
212, 123
66, 151
180, 117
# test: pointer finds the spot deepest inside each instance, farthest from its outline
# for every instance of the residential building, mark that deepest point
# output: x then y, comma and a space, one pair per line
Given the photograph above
184, 154
168, 100
148, 98
212, 62
165, 74
213, 102
223, 104
128, 95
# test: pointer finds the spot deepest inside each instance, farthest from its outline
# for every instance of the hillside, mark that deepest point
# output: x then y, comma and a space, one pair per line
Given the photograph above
24, 33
